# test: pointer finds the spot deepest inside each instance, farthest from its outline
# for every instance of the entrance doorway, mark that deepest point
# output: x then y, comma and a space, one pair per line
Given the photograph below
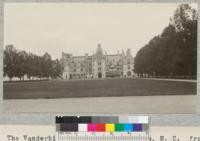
99, 75
128, 73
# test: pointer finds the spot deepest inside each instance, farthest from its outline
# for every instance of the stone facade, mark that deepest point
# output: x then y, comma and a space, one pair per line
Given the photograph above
99, 65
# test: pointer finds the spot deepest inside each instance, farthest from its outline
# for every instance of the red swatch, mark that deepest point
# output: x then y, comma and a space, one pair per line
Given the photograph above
100, 127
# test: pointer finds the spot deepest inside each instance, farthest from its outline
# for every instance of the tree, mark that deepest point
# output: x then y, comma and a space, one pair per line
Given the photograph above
57, 69
47, 67
174, 51
20, 63
30, 66
10, 61
185, 22
21, 67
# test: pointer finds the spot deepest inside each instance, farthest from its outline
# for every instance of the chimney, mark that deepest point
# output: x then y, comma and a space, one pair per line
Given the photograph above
99, 45
128, 52
63, 55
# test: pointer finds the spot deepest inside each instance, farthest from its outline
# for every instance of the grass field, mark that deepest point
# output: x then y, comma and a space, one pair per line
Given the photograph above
96, 88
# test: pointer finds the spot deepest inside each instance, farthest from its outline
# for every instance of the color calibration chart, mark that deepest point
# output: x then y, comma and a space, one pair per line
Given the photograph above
102, 128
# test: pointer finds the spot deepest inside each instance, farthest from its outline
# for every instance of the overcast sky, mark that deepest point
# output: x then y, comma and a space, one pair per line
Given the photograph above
77, 28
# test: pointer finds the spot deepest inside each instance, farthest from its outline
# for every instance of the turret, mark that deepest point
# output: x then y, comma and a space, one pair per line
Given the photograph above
99, 52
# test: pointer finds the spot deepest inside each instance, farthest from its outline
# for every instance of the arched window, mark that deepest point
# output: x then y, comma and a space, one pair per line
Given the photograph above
128, 73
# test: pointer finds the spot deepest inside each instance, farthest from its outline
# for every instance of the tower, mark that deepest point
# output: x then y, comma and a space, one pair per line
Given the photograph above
99, 64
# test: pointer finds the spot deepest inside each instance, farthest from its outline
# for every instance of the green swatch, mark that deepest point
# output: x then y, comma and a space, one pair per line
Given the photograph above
119, 127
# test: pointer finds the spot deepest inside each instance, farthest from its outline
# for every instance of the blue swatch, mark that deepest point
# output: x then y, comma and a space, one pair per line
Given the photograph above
128, 127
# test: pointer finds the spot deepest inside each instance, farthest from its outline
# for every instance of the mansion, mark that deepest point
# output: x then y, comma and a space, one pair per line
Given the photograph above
98, 65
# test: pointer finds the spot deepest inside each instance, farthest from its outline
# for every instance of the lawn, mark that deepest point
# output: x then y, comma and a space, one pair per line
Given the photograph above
96, 88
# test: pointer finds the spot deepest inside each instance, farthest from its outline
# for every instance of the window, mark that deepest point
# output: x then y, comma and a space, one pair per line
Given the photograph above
129, 73
99, 63
99, 69
129, 67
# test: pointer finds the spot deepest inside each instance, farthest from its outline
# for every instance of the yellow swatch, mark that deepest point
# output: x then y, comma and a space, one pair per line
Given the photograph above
110, 127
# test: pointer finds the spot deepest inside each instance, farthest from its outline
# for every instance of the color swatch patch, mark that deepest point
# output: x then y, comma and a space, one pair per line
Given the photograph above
101, 124
110, 127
